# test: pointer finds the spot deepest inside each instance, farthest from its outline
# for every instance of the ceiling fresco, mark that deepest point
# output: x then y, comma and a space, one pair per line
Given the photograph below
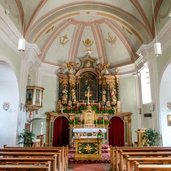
65, 30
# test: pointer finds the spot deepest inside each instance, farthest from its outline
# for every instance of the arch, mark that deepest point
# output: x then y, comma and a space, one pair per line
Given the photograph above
61, 131
116, 131
10, 102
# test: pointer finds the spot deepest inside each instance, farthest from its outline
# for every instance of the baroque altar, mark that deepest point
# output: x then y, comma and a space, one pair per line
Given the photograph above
88, 97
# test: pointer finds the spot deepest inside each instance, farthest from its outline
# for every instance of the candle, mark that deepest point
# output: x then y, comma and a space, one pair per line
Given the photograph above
118, 104
41, 130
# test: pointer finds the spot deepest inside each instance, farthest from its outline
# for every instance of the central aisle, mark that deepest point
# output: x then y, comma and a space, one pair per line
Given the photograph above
90, 167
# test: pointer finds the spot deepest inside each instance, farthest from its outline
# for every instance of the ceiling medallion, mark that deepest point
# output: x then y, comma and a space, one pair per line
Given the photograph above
63, 40
111, 39
88, 43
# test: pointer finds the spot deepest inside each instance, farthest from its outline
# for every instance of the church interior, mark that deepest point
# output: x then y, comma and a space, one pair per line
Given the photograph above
85, 80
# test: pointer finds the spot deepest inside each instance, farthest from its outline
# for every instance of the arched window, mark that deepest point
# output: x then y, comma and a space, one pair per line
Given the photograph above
145, 85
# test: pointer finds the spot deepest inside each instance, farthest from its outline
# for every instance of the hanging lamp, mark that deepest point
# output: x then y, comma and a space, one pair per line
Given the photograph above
157, 45
21, 44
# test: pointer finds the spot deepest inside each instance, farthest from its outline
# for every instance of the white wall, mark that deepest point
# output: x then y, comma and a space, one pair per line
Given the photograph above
8, 94
128, 96
165, 97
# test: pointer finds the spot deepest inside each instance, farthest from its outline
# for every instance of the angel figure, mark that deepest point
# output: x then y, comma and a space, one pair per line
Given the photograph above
64, 95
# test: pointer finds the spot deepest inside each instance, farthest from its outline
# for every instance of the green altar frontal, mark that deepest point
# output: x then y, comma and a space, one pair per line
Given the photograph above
88, 148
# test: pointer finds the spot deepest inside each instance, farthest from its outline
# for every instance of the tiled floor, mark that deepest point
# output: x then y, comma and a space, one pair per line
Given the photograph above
90, 167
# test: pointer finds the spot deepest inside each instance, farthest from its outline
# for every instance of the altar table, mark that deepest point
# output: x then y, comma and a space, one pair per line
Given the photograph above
88, 148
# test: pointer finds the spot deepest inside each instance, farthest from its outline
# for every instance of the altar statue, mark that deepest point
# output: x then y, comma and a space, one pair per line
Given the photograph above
89, 117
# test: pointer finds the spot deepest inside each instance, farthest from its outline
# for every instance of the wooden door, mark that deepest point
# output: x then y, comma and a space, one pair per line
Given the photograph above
61, 132
116, 131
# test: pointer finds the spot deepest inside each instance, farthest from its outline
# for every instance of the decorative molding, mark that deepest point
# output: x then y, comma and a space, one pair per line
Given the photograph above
162, 37
9, 34
63, 40
111, 39
126, 70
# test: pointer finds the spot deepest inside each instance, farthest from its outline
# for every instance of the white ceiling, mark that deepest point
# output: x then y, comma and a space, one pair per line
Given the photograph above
65, 30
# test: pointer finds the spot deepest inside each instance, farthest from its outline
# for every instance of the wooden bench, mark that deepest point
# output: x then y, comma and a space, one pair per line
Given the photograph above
62, 150
31, 154
46, 166
130, 160
122, 164
152, 167
30, 160
116, 153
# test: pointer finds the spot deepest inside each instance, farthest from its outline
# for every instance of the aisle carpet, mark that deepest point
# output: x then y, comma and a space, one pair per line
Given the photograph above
105, 156
90, 167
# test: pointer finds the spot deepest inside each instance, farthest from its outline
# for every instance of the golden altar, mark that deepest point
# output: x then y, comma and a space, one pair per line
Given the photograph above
88, 148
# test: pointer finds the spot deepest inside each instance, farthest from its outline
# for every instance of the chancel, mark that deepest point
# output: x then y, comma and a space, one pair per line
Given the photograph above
88, 109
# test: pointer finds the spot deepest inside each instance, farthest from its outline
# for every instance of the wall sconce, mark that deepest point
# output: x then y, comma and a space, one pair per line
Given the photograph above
21, 44
169, 105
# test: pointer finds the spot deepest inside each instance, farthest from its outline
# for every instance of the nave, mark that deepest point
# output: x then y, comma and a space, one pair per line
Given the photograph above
56, 159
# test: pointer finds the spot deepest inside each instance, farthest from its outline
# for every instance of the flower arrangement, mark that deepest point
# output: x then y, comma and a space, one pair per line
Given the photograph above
100, 134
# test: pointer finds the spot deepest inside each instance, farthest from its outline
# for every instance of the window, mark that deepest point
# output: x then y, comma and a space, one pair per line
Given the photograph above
145, 85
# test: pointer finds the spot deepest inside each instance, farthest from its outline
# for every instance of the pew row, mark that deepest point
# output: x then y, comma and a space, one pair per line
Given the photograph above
25, 167
40, 155
63, 150
152, 167
118, 152
30, 160
130, 160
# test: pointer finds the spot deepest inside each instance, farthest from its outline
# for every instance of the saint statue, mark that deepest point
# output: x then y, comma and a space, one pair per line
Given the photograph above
64, 95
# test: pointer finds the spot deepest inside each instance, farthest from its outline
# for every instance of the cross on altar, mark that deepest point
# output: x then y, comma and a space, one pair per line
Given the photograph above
88, 95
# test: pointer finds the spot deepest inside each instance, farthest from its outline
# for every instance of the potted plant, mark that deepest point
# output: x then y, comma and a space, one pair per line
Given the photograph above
26, 138
151, 137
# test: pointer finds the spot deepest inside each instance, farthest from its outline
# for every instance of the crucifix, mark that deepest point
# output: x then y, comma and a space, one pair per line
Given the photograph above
88, 95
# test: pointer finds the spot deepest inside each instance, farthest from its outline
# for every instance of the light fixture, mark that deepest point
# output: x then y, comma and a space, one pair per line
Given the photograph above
21, 44
157, 48
157, 45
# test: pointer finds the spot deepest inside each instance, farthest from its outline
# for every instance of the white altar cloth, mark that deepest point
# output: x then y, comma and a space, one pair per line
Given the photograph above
88, 130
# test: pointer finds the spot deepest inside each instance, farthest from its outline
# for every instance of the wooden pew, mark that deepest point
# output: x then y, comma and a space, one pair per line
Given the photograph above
130, 160
36, 154
46, 166
116, 152
30, 160
141, 154
63, 150
150, 167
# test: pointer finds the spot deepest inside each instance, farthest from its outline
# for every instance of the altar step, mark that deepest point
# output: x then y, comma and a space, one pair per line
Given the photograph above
105, 156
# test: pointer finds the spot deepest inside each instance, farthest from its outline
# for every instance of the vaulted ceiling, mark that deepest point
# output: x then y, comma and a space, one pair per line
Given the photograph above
65, 30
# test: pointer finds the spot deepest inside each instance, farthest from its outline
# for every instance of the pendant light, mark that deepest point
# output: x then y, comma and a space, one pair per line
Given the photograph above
157, 45
21, 44
22, 41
